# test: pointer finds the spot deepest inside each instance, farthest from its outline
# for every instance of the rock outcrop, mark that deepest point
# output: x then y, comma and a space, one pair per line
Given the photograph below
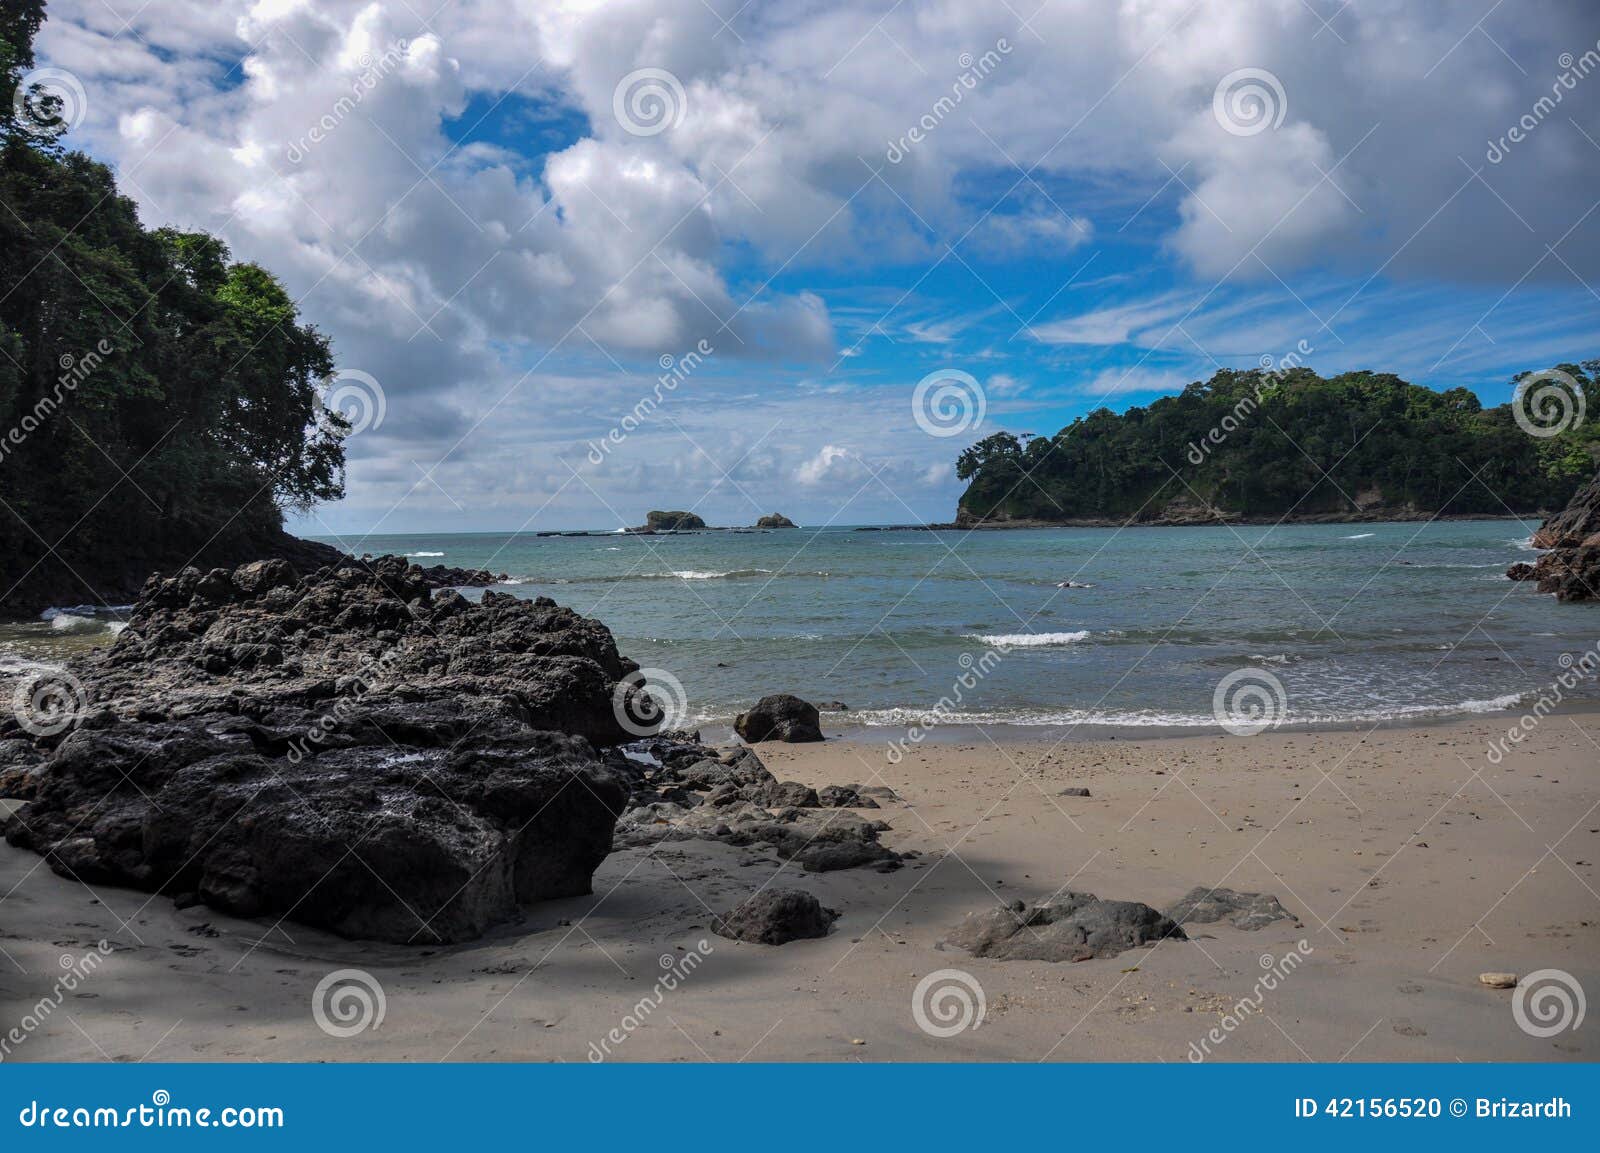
1571, 569
1070, 927
658, 521
776, 520
776, 917
443, 577
348, 749
779, 717
685, 791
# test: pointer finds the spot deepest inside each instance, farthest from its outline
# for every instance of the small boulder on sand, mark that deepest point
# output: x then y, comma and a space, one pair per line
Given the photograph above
776, 917
1201, 905
1498, 980
1070, 927
779, 717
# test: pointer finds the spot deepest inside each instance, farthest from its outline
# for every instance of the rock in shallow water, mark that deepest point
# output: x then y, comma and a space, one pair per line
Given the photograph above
776, 917
1071, 927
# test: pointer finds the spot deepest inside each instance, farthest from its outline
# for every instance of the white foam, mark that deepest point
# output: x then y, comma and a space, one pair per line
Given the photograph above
424, 554
690, 574
1361, 536
1147, 719
66, 620
1030, 640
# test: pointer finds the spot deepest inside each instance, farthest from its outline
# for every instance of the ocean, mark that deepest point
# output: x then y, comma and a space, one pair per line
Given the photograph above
1095, 629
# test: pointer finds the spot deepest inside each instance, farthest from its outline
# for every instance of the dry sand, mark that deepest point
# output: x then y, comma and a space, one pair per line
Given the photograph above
1413, 863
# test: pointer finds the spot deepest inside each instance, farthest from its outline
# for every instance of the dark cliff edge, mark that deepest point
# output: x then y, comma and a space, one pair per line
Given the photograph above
1570, 570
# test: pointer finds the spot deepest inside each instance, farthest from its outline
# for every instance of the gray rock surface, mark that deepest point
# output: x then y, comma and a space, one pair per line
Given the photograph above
1201, 905
1070, 927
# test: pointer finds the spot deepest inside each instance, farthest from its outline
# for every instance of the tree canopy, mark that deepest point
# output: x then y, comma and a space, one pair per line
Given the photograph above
158, 402
1259, 444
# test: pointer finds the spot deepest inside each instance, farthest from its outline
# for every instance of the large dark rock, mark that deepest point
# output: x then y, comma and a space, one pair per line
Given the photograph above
780, 717
775, 520
347, 749
1201, 905
776, 917
1071, 927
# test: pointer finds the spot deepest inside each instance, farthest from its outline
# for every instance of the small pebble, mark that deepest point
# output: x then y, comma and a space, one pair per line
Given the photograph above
1498, 980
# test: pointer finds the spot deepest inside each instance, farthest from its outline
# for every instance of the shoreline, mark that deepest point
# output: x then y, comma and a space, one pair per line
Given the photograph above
1410, 863
835, 730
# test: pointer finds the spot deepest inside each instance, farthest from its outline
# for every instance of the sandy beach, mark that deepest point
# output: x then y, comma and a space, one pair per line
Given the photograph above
1412, 863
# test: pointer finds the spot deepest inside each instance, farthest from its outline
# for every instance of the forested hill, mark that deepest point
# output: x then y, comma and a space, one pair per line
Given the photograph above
1266, 445
158, 402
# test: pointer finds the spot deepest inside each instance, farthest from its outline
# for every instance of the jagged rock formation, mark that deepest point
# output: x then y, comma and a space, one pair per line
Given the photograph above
347, 749
776, 520
1571, 569
685, 791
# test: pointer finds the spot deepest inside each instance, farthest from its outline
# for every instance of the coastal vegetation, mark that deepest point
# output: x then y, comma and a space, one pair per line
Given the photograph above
158, 401
1292, 443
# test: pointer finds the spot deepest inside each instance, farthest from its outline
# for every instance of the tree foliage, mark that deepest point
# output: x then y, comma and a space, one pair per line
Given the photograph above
1260, 444
158, 402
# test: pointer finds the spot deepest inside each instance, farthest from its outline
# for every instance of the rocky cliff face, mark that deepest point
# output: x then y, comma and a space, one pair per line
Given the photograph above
1571, 569
348, 749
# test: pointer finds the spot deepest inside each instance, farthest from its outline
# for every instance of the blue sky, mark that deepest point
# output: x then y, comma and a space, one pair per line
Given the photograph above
1105, 202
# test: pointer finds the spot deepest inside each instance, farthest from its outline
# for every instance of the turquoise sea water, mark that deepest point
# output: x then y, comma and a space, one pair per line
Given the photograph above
1355, 622
1321, 623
